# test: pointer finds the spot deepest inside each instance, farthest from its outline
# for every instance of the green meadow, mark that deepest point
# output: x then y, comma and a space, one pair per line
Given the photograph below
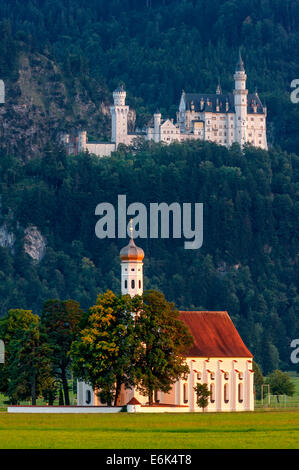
255, 430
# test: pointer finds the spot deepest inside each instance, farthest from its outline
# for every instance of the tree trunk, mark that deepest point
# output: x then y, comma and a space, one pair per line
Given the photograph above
33, 390
65, 387
117, 392
150, 397
61, 401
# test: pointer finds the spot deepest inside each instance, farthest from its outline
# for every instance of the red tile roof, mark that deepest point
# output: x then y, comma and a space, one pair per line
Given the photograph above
133, 401
214, 335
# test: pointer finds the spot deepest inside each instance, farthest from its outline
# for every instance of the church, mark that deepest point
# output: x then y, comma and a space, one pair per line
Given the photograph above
223, 118
218, 357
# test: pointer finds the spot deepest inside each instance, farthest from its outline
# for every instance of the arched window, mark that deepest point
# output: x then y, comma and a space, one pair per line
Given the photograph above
133, 284
88, 397
212, 390
185, 392
240, 393
126, 284
226, 393
139, 284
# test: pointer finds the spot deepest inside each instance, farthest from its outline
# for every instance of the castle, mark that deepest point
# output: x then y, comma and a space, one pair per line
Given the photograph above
218, 357
223, 118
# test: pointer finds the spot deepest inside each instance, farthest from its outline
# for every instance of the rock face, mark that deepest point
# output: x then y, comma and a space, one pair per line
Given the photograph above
43, 102
34, 243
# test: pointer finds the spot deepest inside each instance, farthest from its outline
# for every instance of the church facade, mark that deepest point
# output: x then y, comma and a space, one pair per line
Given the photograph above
218, 356
223, 118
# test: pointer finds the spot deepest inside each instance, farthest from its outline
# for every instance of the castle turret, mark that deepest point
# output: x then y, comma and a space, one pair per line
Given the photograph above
2, 92
131, 268
82, 141
157, 123
240, 99
119, 112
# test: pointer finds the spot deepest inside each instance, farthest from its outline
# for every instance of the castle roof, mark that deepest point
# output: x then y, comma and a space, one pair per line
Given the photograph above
240, 64
214, 335
210, 102
119, 89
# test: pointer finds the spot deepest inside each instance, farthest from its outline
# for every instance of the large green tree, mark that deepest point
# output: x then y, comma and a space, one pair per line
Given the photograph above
60, 321
280, 383
104, 353
164, 340
27, 369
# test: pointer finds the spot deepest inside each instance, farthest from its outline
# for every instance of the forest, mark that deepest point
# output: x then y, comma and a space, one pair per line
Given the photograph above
247, 264
155, 48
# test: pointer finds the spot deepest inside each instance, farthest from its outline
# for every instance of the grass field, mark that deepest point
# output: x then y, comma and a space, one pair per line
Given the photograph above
256, 430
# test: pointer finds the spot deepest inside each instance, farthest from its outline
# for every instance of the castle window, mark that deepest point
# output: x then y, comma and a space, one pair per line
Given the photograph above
185, 393
226, 393
133, 284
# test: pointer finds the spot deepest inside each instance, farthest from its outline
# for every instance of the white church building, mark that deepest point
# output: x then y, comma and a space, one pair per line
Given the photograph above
223, 118
218, 357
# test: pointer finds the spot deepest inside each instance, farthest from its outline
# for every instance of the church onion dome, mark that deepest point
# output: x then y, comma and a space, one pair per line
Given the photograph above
240, 64
131, 252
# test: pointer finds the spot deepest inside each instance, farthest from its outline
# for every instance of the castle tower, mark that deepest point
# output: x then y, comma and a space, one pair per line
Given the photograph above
240, 99
82, 141
157, 123
119, 112
131, 268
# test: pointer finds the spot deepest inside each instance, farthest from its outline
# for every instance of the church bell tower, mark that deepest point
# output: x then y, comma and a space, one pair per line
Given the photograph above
131, 268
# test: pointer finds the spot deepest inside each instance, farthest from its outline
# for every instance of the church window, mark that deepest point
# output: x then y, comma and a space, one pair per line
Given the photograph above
185, 393
240, 393
226, 393
133, 284
212, 391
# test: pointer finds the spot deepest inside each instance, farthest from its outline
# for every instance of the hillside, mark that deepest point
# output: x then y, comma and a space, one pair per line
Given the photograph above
247, 264
61, 60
